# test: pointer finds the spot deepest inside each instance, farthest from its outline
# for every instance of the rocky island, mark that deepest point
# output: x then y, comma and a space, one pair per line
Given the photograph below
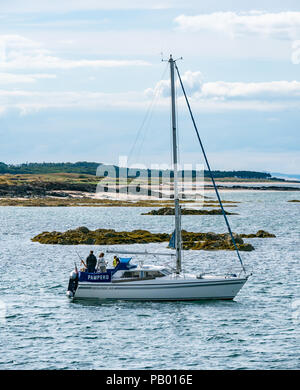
171, 211
190, 240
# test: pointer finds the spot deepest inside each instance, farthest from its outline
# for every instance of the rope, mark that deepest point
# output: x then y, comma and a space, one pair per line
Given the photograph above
210, 172
146, 118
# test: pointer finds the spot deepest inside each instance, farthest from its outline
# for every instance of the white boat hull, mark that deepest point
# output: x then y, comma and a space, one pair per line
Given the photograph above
159, 290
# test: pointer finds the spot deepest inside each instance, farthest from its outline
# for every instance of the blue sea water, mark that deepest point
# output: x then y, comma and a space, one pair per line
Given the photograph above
41, 329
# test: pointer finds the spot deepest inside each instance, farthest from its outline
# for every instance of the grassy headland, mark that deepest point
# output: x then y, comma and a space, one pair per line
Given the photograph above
60, 184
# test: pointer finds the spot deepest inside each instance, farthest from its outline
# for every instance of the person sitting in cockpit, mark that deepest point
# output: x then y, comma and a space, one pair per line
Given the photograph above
116, 261
101, 266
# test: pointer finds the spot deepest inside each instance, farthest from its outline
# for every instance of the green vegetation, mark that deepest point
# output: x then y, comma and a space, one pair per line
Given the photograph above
239, 174
32, 185
64, 180
90, 168
83, 167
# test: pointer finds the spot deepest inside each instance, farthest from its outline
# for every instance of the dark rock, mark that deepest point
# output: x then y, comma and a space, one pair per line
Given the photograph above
83, 229
259, 234
171, 211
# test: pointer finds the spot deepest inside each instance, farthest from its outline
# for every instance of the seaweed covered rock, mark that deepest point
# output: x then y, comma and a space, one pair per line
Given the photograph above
213, 241
171, 211
83, 229
84, 236
190, 240
218, 245
264, 234
259, 234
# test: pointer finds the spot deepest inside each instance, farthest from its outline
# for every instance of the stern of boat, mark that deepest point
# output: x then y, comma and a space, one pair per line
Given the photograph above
73, 284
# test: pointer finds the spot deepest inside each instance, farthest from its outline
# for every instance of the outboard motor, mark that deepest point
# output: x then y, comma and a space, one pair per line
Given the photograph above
73, 284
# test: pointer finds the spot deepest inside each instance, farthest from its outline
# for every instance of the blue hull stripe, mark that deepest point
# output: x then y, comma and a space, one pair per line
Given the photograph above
153, 286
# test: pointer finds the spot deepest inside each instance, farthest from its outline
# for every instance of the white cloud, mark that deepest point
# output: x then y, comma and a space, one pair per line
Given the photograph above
18, 52
204, 97
15, 6
192, 81
17, 42
28, 101
223, 90
20, 61
280, 25
11, 78
130, 43
31, 101
263, 90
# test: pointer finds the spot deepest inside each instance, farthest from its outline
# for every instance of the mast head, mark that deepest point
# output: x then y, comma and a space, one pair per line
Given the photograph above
171, 59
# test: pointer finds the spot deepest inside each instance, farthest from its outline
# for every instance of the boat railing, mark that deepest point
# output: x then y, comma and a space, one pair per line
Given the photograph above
145, 253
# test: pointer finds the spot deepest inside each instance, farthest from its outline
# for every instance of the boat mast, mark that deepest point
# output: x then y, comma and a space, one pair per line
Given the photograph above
175, 167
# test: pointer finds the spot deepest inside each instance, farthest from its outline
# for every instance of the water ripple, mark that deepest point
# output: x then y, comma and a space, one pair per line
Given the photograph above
41, 329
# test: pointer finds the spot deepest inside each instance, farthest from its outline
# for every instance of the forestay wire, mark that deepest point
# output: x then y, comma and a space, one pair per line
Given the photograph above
209, 170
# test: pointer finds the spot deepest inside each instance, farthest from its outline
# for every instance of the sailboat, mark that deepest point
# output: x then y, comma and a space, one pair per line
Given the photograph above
128, 281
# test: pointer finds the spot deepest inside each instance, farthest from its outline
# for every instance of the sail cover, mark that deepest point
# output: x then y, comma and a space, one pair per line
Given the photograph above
172, 241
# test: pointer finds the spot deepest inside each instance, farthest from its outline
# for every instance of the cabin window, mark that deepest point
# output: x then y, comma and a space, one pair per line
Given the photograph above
166, 271
153, 274
131, 274
144, 274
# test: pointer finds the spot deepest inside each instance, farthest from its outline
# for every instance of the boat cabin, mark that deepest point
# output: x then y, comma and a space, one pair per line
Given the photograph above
145, 272
125, 271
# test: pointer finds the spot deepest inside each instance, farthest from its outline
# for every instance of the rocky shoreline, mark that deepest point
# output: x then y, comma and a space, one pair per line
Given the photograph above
83, 201
190, 240
43, 189
18, 189
255, 188
66, 190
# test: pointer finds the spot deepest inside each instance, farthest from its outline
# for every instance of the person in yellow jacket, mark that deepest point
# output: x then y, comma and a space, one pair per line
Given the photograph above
116, 261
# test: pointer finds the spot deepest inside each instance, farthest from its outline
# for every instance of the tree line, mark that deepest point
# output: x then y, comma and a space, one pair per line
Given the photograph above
90, 168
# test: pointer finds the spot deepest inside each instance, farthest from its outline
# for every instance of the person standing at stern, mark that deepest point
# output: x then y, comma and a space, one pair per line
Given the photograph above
91, 262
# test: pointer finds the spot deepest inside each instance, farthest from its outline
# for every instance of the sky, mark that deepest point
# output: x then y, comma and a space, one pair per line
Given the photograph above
84, 80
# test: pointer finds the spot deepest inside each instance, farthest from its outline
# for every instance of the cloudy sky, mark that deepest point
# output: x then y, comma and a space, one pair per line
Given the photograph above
84, 80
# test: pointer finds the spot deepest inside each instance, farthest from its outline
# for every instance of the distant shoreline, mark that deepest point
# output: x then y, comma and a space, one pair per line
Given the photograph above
70, 186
